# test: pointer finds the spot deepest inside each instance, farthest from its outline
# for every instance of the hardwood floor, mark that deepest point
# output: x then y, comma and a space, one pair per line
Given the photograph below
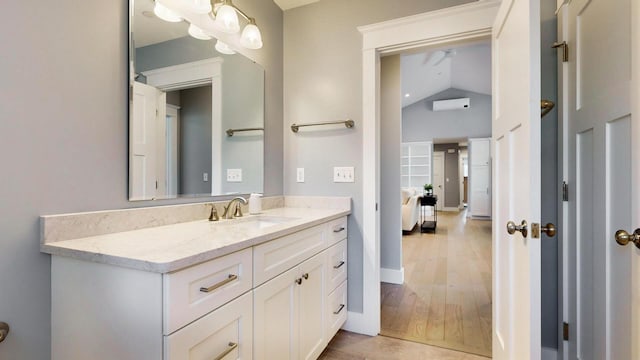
446, 298
350, 346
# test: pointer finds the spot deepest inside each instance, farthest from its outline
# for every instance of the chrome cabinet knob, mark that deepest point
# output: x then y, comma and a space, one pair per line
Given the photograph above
4, 331
512, 228
623, 237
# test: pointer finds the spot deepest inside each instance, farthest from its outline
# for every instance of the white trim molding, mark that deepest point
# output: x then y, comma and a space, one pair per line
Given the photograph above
392, 276
193, 74
465, 23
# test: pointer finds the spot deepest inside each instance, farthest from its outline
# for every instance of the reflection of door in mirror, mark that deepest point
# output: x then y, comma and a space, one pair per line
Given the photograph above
172, 154
148, 106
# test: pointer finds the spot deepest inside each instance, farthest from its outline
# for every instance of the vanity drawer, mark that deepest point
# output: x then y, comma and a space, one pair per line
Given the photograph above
337, 230
196, 291
277, 256
336, 310
336, 265
223, 334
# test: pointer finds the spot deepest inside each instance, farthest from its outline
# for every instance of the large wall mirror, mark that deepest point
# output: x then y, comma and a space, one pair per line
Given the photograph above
196, 123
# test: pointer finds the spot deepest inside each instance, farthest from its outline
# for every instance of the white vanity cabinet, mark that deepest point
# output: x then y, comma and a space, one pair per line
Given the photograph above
281, 298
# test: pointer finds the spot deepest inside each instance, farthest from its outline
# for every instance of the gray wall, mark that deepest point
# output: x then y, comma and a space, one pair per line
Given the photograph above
390, 198
451, 174
421, 123
323, 81
195, 140
550, 181
63, 137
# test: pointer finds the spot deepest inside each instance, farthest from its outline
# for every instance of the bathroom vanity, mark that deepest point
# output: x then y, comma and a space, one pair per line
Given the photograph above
268, 286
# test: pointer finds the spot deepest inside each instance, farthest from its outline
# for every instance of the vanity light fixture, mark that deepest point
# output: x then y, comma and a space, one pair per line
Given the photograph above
223, 48
198, 33
225, 16
165, 13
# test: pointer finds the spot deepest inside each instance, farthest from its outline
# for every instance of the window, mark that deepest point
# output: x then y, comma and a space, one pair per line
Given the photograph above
415, 163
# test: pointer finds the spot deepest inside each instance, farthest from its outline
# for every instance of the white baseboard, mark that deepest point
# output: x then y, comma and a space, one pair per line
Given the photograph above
549, 353
358, 323
392, 276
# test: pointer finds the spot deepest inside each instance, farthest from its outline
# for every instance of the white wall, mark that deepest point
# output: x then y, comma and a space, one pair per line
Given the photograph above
63, 137
323, 81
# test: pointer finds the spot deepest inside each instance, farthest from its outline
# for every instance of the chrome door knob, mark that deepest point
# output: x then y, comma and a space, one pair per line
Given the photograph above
623, 237
4, 331
512, 228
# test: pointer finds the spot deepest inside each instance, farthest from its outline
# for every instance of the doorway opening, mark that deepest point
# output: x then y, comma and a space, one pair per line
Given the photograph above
444, 295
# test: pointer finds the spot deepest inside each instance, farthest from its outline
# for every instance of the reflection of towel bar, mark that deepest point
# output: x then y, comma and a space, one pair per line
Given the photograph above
231, 131
348, 123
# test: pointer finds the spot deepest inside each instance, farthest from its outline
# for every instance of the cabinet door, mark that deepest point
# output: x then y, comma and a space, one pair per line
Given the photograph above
480, 191
223, 334
312, 334
276, 318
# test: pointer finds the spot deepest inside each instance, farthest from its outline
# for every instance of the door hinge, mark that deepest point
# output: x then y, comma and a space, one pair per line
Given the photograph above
565, 331
376, 206
565, 50
156, 184
565, 191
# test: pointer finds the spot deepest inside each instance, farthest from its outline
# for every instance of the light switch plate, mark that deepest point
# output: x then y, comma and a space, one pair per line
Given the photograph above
205, 177
234, 175
343, 174
300, 175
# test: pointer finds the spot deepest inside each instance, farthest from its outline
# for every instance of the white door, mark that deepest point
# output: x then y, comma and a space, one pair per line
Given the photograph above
438, 178
143, 135
516, 149
600, 164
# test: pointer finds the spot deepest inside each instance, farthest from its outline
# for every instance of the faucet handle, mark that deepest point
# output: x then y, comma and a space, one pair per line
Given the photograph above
214, 214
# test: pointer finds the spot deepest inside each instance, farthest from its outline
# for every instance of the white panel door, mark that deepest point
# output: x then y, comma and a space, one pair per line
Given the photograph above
516, 133
143, 136
600, 159
438, 178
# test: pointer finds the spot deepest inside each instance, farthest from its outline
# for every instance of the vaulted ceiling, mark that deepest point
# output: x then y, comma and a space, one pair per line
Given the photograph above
466, 67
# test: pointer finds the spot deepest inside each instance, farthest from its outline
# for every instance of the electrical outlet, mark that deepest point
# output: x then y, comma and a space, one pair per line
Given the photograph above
234, 175
205, 177
300, 175
343, 174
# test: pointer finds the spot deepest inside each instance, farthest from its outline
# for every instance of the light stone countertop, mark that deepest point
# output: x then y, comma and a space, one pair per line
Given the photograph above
168, 248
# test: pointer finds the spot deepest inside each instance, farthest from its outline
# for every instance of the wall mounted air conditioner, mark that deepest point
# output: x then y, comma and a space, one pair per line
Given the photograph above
451, 104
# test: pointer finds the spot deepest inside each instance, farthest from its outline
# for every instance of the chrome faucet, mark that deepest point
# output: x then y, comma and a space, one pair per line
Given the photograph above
230, 212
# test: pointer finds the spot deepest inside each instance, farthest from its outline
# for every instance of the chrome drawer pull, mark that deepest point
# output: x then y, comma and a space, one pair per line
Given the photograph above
338, 230
339, 309
221, 283
232, 346
339, 265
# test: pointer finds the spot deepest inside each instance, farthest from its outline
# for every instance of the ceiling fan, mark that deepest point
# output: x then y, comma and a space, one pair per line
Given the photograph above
437, 57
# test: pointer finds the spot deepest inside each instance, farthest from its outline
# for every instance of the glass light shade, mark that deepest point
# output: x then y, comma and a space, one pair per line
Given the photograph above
223, 48
165, 13
227, 19
198, 33
251, 37
200, 6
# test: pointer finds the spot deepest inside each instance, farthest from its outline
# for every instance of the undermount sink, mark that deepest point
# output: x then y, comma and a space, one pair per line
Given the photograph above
258, 222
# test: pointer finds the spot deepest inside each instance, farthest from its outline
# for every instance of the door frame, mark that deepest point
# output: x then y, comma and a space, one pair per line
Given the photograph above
464, 23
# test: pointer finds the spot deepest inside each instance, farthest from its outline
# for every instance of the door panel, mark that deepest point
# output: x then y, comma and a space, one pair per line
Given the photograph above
312, 317
142, 127
516, 130
599, 107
